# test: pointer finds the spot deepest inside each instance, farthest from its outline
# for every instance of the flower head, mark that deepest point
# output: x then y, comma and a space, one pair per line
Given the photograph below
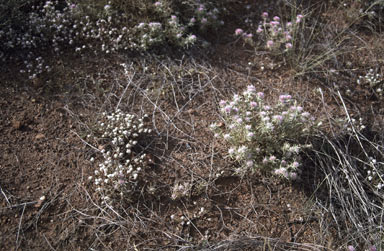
295, 164
191, 38
292, 176
278, 118
253, 104
222, 103
249, 163
274, 23
239, 32
242, 149
228, 109
281, 171
299, 18
285, 98
264, 15
251, 88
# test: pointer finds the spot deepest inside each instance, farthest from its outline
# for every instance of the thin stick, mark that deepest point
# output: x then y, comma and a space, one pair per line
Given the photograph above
18, 205
5, 196
49, 244
85, 142
129, 83
18, 230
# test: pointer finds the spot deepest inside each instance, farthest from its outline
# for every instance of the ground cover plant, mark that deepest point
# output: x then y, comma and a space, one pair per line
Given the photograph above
121, 168
263, 136
99, 27
191, 125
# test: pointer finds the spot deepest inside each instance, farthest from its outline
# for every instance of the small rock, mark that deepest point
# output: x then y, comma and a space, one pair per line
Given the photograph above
16, 124
40, 201
220, 125
40, 136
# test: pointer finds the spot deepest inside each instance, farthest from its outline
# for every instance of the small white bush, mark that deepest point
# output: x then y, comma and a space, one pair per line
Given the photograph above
119, 171
372, 80
263, 136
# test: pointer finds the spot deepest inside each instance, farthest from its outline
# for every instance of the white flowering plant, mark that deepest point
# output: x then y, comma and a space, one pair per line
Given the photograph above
372, 80
118, 172
100, 27
374, 174
262, 136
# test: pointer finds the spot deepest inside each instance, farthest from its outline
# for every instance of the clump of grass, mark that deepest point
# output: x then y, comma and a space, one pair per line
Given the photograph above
371, 13
259, 243
262, 136
353, 168
118, 173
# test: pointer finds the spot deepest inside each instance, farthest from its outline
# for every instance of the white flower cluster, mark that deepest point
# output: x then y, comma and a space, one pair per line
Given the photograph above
373, 80
374, 173
180, 190
264, 136
119, 171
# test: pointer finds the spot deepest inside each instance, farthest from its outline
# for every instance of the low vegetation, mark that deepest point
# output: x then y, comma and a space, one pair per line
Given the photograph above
220, 108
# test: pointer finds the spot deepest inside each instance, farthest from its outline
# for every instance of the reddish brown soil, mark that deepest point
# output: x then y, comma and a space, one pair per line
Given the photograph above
43, 156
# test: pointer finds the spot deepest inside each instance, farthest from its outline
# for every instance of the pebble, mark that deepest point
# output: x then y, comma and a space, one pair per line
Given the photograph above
39, 136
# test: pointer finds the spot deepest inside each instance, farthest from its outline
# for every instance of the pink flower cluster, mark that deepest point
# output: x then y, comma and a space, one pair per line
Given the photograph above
205, 16
240, 32
278, 34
